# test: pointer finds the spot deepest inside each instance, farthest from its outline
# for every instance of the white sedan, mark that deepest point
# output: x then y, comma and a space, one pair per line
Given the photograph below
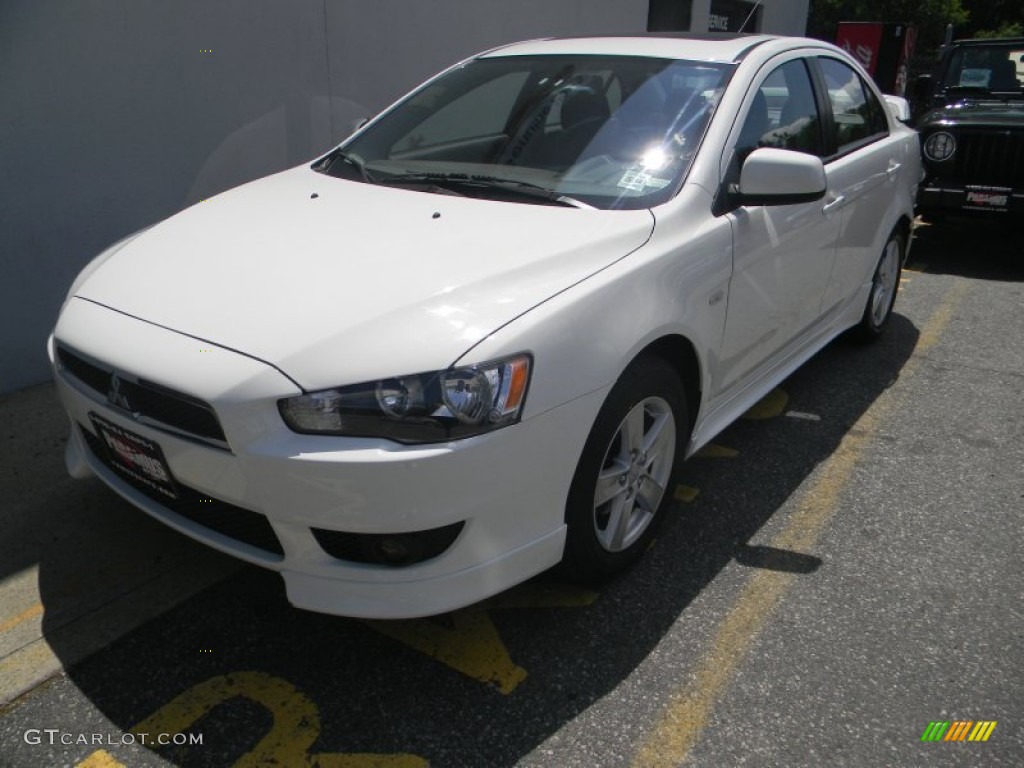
480, 336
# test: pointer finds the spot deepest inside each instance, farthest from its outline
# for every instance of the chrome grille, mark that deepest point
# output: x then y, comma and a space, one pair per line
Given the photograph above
145, 401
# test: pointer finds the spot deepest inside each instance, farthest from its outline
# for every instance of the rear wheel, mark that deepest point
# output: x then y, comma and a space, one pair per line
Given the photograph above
625, 477
884, 284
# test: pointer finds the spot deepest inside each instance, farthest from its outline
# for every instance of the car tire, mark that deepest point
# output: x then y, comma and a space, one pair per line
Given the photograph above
884, 285
626, 475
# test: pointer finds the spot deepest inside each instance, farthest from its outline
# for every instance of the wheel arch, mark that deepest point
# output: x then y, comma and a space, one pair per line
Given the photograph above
906, 228
679, 352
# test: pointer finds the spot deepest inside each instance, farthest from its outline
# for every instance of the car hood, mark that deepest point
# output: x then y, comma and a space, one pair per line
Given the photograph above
335, 282
980, 113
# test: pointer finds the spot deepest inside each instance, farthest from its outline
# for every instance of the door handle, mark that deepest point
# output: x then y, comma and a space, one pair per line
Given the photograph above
833, 204
893, 167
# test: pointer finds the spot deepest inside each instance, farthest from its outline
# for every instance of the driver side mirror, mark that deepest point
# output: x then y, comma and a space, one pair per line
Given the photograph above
899, 107
355, 125
779, 177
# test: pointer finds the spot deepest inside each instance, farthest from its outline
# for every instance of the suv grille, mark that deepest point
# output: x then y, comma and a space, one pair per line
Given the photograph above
238, 523
148, 403
993, 157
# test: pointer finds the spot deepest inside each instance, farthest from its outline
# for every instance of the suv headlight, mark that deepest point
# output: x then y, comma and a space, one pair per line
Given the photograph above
940, 146
420, 408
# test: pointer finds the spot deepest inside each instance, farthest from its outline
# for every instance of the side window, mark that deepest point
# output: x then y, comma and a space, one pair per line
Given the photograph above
783, 113
857, 114
878, 111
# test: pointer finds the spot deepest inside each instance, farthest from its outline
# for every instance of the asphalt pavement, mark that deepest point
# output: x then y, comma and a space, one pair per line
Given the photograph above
842, 570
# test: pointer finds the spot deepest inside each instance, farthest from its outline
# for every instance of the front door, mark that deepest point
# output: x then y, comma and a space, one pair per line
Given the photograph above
783, 255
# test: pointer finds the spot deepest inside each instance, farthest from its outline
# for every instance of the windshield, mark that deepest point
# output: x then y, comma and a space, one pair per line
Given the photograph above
986, 69
602, 131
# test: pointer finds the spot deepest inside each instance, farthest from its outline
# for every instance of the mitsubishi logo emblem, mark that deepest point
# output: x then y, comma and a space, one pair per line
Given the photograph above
115, 396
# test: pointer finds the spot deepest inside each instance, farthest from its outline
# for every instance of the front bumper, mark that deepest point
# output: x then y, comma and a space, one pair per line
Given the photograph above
271, 488
939, 196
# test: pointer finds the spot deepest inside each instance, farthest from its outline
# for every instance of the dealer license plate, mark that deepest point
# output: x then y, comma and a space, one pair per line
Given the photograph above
135, 456
987, 198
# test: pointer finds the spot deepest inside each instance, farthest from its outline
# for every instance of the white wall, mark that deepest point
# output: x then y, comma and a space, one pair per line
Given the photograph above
778, 17
114, 115
785, 17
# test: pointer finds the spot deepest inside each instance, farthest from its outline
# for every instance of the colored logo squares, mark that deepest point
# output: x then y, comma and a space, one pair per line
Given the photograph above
958, 730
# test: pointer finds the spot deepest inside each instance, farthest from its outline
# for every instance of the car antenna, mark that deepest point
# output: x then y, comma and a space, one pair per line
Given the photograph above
753, 10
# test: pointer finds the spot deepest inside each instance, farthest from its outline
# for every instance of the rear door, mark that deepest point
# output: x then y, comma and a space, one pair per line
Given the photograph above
863, 168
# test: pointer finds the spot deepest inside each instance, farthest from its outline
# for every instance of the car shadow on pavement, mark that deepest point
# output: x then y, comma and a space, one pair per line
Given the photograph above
488, 685
983, 248
78, 565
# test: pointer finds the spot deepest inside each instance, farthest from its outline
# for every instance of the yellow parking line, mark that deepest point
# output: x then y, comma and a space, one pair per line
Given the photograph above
470, 645
28, 613
686, 493
295, 725
468, 640
939, 320
100, 759
715, 451
543, 595
768, 407
689, 709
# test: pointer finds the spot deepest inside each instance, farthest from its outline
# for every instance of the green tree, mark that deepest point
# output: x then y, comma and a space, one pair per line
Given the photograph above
993, 18
1006, 29
930, 17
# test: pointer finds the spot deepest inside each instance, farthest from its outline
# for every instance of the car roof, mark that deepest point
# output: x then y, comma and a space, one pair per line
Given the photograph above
989, 41
712, 47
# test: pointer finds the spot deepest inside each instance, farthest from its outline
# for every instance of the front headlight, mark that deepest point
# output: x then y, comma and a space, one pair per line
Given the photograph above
940, 146
421, 408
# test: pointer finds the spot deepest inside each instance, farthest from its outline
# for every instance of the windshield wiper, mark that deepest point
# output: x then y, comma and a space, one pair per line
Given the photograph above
463, 180
324, 165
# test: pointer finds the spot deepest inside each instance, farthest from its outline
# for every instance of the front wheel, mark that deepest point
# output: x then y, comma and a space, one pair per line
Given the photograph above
884, 284
627, 471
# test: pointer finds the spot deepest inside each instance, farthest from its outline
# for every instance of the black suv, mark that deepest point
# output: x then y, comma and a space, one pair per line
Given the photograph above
972, 136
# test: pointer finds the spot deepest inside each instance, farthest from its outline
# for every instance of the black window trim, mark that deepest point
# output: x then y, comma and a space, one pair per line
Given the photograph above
830, 131
722, 202
822, 123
